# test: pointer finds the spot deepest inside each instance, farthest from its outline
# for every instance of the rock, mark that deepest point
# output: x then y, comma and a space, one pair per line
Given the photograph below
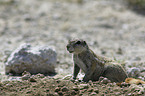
83, 86
40, 75
60, 93
31, 59
119, 51
25, 77
73, 93
90, 90
105, 81
96, 90
31, 79
75, 88
64, 89
57, 89
101, 78
134, 72
25, 72
93, 93
68, 77
124, 84
1, 84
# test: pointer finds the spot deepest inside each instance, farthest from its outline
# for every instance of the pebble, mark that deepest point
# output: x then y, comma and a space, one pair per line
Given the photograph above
64, 89
105, 81
93, 93
32, 79
73, 92
75, 88
25, 77
96, 90
57, 89
83, 86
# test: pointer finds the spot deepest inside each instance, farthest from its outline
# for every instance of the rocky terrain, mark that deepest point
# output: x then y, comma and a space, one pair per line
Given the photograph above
110, 28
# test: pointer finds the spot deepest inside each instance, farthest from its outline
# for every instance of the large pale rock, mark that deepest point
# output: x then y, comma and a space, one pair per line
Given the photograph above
31, 59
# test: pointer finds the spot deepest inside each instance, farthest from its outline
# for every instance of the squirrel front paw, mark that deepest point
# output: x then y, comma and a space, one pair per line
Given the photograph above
85, 79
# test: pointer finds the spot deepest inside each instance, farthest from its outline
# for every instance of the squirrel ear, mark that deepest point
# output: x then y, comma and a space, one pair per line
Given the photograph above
85, 42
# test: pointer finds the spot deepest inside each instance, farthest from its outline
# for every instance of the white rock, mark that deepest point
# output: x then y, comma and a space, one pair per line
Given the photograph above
31, 59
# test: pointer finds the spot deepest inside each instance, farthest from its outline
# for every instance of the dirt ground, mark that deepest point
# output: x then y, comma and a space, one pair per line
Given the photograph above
39, 85
109, 27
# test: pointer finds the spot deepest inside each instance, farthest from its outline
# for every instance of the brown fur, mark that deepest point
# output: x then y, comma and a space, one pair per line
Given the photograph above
134, 81
93, 65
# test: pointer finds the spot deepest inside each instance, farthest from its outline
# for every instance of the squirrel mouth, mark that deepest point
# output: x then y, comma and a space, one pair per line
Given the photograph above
70, 51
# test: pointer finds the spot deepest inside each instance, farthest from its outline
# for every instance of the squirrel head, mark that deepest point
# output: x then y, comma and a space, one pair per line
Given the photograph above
77, 46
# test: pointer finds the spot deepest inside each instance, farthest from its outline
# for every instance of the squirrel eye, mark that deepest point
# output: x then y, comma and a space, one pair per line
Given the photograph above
78, 42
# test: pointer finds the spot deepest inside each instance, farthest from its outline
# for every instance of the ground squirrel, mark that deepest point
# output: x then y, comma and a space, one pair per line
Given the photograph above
93, 65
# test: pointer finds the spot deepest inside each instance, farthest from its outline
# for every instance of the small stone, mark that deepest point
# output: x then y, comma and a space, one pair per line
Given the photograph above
25, 77
105, 81
83, 86
139, 93
90, 90
40, 75
64, 89
50, 94
85, 90
58, 81
57, 89
73, 92
117, 89
75, 88
93, 93
102, 95
68, 77
129, 94
132, 89
111, 91
124, 84
96, 90
25, 72
60, 93
101, 78
125, 90
106, 92
32, 79
47, 90
72, 80
66, 95
96, 82
81, 91
0, 84
119, 51
60, 85
80, 80
136, 90
76, 83
80, 94
117, 93
55, 94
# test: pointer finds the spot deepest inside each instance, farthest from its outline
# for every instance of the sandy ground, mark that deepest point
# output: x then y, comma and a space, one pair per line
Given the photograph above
109, 27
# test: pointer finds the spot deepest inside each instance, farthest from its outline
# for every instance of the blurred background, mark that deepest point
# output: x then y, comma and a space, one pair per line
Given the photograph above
112, 28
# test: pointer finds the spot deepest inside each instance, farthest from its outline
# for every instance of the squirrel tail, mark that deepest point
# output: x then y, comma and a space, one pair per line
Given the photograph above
134, 81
